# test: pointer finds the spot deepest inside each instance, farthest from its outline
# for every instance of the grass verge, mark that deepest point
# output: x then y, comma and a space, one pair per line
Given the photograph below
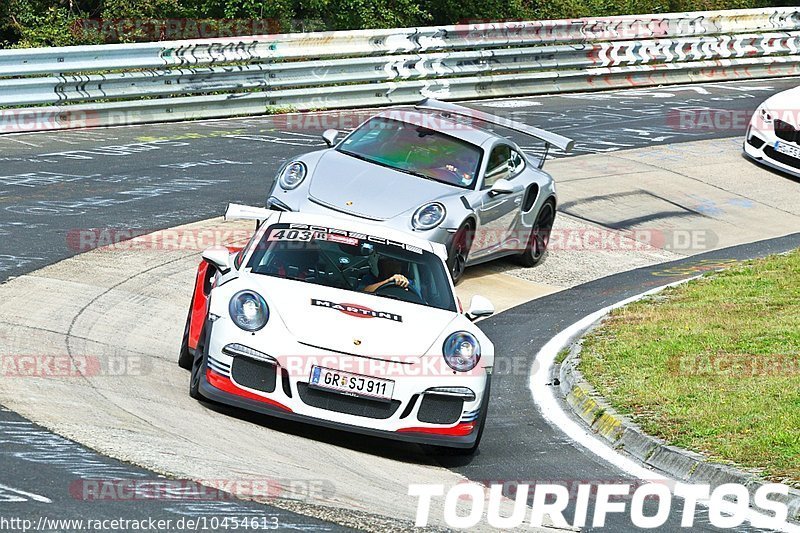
712, 366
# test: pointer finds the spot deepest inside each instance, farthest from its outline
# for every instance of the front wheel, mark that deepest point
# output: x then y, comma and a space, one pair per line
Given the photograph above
185, 357
536, 249
459, 251
197, 368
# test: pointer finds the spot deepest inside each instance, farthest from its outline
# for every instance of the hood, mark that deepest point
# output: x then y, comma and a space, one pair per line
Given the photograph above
333, 319
786, 106
365, 189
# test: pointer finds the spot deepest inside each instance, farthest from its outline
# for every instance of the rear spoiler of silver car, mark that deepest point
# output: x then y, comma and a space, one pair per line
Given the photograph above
550, 138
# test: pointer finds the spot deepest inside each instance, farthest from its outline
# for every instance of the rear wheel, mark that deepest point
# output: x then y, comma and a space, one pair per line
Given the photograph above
459, 251
536, 249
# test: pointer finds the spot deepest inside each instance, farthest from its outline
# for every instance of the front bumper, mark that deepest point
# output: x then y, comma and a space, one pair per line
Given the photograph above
760, 143
279, 387
441, 234
236, 399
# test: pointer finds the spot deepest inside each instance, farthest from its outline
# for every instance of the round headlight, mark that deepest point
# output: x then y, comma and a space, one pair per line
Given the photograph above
248, 310
462, 351
428, 216
293, 175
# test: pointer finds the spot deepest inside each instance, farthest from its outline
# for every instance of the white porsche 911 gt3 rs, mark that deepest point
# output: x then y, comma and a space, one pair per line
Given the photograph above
343, 324
773, 136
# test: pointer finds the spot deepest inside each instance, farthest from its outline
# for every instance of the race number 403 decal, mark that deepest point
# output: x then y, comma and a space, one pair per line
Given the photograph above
295, 235
342, 236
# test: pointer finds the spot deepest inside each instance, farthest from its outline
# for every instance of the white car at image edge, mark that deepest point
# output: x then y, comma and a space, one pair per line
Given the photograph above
773, 136
302, 324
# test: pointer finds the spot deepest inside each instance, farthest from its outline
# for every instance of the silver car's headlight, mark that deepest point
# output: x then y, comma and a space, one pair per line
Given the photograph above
428, 216
293, 175
248, 310
462, 351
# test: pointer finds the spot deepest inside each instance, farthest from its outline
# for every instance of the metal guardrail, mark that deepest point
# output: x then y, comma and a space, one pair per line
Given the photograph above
55, 88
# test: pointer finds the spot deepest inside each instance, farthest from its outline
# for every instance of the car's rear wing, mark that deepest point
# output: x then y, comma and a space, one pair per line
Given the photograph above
549, 138
248, 212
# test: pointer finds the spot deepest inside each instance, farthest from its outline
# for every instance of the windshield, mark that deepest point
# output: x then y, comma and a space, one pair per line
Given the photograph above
416, 150
354, 262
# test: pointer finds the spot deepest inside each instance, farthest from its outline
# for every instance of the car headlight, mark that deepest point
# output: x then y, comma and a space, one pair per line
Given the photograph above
766, 116
428, 216
462, 351
248, 310
293, 175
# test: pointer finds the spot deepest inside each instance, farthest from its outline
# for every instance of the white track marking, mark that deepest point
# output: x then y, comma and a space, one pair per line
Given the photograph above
22, 142
550, 407
29, 495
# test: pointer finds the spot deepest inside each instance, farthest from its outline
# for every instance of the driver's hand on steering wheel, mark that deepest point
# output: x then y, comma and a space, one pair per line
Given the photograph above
399, 280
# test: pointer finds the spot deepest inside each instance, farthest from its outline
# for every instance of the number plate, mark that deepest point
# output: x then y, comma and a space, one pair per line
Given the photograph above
351, 384
787, 149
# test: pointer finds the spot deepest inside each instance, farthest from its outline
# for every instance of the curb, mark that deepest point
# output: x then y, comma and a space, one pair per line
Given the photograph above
623, 435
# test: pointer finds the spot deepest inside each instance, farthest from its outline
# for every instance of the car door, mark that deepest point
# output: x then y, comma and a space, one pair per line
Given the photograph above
498, 211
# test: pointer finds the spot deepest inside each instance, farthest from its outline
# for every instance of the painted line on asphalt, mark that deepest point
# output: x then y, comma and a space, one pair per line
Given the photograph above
545, 400
26, 494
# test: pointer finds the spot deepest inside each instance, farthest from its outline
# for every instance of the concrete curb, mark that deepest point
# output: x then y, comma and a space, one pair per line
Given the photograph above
624, 435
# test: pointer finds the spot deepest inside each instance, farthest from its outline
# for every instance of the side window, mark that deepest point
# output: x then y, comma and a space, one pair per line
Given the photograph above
499, 166
517, 163
237, 261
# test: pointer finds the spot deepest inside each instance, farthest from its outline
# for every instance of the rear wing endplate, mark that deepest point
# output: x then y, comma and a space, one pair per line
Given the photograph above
248, 212
564, 143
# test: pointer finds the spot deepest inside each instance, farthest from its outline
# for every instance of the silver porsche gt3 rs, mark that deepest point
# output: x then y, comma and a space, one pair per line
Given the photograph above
436, 171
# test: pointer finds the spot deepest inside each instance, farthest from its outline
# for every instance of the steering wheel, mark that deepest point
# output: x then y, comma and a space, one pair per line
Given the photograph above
450, 174
392, 289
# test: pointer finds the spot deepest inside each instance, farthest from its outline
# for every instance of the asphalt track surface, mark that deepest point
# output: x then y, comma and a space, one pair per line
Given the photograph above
156, 176
48, 480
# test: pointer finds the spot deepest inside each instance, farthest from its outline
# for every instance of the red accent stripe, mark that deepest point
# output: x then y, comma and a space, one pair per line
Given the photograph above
225, 384
460, 430
199, 306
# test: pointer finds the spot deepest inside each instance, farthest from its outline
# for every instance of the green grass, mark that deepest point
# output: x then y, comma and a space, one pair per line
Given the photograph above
712, 366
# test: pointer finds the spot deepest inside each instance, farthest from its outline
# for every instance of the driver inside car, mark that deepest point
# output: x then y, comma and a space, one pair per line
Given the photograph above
388, 270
